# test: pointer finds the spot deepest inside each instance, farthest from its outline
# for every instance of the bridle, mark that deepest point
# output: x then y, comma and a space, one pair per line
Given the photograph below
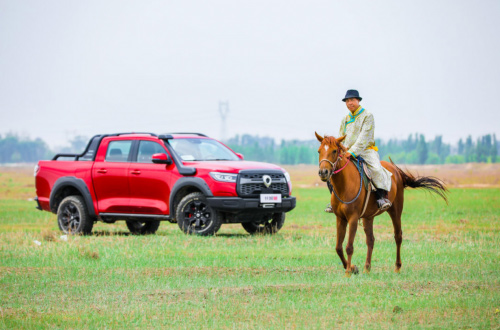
334, 165
334, 171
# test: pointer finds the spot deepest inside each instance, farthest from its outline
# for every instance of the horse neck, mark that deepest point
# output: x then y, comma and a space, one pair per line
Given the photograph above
343, 180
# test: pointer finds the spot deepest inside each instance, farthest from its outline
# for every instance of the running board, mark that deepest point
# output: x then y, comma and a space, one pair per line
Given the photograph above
125, 216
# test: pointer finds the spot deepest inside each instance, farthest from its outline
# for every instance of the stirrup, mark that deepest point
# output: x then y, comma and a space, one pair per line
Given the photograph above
383, 204
329, 208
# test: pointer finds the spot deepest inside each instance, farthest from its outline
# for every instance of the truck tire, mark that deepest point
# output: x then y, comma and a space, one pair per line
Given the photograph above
195, 216
137, 227
271, 226
73, 217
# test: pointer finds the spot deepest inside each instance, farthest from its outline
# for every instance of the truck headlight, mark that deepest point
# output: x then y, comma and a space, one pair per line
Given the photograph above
224, 177
288, 180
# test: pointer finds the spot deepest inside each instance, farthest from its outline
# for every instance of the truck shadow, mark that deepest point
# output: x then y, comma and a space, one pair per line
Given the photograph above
110, 233
232, 235
125, 233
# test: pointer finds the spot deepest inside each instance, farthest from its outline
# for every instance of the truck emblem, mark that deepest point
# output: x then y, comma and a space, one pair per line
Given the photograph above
267, 180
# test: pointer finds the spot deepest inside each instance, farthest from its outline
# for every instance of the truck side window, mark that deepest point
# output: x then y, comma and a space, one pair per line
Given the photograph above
148, 149
118, 151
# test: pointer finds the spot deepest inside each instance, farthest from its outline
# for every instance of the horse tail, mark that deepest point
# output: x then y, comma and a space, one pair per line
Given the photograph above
430, 183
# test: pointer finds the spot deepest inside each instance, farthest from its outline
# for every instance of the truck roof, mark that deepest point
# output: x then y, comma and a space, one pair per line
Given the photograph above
95, 141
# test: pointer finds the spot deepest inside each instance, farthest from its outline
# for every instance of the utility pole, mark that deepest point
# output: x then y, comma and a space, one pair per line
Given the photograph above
223, 111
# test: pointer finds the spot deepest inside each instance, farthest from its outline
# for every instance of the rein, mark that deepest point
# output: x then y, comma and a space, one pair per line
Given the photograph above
334, 166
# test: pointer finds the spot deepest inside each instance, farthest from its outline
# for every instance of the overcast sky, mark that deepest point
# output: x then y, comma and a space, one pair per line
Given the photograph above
90, 67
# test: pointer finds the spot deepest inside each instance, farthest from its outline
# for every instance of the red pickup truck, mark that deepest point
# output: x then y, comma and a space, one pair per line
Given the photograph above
144, 178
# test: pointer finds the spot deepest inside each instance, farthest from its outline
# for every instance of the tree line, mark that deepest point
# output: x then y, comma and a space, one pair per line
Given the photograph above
17, 149
416, 150
413, 150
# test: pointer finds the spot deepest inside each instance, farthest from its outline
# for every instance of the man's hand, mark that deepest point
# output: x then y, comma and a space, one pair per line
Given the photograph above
348, 155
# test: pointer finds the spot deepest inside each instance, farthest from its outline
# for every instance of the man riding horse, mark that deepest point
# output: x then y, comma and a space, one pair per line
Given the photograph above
358, 127
345, 178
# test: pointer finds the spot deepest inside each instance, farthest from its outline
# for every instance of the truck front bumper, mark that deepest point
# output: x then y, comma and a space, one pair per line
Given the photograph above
239, 205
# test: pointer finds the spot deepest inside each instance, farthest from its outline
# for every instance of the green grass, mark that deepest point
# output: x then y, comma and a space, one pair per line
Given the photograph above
450, 276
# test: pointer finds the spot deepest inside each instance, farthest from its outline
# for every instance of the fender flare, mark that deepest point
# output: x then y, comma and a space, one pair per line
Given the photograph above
79, 185
198, 183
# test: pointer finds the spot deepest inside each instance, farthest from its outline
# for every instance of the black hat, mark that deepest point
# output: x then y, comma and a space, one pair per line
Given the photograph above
352, 93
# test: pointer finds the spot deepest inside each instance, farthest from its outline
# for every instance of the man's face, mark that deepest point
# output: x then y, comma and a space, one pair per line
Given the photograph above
352, 104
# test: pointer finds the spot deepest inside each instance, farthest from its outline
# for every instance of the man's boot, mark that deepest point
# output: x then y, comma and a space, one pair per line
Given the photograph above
328, 208
382, 201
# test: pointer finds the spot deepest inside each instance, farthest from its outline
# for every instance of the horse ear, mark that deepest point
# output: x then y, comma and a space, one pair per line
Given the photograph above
340, 139
319, 137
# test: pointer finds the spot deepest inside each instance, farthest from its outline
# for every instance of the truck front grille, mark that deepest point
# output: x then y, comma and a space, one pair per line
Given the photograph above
251, 183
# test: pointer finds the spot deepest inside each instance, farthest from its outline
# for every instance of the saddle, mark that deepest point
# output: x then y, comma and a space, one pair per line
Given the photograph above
365, 173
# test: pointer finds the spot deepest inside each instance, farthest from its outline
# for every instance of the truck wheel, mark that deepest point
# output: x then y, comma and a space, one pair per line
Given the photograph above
195, 216
143, 227
271, 226
73, 216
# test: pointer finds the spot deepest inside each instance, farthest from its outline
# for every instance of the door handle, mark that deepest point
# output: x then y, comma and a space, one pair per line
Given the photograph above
102, 170
135, 172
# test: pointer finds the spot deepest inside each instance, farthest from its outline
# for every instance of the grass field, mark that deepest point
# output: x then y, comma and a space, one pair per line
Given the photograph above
450, 276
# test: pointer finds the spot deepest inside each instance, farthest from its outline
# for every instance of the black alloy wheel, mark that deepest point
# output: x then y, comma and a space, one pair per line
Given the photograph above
195, 216
73, 217
138, 227
270, 226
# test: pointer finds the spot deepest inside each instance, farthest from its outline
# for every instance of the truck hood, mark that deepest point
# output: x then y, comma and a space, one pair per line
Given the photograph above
231, 166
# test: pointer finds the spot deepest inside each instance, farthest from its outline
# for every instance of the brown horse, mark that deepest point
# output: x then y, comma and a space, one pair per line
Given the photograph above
345, 179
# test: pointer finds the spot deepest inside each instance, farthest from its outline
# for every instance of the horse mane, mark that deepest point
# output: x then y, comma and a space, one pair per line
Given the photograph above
332, 140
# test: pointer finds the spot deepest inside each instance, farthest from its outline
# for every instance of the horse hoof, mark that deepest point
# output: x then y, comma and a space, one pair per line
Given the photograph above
354, 270
397, 270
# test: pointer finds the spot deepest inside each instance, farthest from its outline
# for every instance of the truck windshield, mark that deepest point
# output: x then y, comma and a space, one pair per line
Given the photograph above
201, 150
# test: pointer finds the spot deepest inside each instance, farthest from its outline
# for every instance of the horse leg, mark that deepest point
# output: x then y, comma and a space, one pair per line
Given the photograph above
341, 229
395, 212
370, 242
353, 226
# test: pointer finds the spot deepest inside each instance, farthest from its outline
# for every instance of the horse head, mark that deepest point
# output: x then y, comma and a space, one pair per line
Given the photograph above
329, 153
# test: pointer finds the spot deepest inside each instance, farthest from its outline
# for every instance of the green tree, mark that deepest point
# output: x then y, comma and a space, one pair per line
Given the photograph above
433, 158
483, 147
455, 159
461, 147
469, 150
411, 143
422, 151
411, 157
494, 149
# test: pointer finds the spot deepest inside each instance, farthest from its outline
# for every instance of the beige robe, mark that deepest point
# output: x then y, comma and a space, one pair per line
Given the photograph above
359, 129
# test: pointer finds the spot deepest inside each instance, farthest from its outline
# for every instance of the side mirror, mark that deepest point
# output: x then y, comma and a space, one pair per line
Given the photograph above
240, 156
161, 159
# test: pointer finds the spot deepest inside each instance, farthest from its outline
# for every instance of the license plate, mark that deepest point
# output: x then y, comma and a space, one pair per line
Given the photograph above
270, 198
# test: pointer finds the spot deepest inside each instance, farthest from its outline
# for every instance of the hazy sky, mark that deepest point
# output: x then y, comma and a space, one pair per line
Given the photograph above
89, 67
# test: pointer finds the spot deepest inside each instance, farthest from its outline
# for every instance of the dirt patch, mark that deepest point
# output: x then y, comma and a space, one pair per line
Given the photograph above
17, 182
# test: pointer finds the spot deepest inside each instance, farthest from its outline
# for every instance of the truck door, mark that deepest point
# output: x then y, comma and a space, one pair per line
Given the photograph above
110, 178
149, 182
